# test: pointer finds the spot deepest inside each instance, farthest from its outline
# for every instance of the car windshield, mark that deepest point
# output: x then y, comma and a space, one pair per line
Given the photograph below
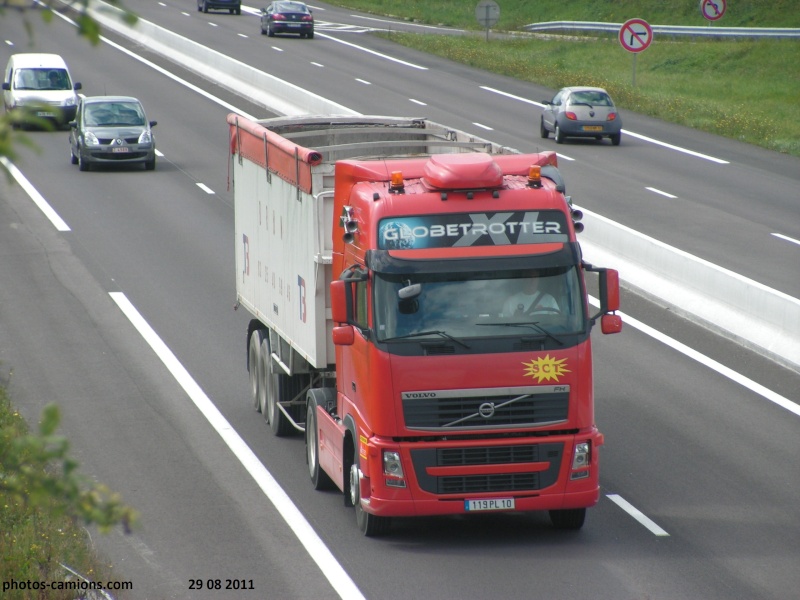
113, 114
41, 79
472, 305
590, 97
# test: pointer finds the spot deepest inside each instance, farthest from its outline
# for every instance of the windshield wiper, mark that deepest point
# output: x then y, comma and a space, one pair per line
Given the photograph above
444, 334
532, 324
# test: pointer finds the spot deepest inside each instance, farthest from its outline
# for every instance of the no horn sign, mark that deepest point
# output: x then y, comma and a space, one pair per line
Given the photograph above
635, 35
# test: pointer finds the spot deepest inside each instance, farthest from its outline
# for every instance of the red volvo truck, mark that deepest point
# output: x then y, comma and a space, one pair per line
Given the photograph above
420, 313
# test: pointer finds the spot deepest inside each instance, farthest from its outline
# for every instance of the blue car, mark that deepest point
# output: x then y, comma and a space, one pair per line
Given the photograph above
233, 6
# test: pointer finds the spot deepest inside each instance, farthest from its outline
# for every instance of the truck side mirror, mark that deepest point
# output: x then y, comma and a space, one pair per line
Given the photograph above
609, 288
339, 304
611, 324
344, 335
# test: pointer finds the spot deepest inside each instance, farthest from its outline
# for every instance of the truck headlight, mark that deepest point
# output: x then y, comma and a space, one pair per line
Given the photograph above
580, 458
391, 464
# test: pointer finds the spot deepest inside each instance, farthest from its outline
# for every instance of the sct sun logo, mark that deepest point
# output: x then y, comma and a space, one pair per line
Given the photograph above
546, 368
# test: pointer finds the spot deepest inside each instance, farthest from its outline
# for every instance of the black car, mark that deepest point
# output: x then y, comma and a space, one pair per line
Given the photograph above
233, 6
287, 17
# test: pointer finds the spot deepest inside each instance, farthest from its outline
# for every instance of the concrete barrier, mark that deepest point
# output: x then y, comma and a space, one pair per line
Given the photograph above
759, 317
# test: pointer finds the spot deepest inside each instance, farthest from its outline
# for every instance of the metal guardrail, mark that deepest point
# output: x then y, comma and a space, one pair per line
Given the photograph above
672, 30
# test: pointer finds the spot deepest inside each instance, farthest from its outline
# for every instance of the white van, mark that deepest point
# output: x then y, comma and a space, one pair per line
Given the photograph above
40, 84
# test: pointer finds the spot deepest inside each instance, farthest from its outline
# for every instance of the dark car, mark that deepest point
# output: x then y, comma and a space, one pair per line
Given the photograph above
287, 17
581, 112
111, 130
233, 6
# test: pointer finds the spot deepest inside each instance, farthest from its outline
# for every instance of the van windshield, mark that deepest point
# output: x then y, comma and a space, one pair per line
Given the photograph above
42, 79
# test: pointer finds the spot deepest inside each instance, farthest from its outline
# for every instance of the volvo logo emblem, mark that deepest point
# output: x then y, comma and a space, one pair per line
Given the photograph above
486, 410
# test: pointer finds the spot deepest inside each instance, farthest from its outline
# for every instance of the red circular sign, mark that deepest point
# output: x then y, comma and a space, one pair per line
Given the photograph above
713, 9
635, 35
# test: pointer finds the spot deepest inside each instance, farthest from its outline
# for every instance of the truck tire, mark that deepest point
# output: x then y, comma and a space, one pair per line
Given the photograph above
253, 360
571, 518
319, 478
370, 525
274, 389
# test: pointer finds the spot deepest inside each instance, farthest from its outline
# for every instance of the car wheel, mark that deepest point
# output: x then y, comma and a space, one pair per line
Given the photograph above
558, 135
150, 165
205, 6
82, 164
270, 33
543, 130
311, 35
616, 139
238, 10
72, 158
199, 6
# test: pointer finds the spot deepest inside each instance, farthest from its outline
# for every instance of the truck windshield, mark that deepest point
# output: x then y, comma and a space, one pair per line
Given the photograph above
482, 304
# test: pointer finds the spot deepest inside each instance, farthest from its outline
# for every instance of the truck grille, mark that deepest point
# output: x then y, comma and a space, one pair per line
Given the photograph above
481, 409
424, 459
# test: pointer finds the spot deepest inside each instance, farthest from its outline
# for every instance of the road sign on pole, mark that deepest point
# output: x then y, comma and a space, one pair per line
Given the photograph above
713, 9
488, 13
635, 35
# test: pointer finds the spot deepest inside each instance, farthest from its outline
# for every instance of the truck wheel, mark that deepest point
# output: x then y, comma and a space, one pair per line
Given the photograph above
370, 525
275, 387
253, 360
571, 518
319, 478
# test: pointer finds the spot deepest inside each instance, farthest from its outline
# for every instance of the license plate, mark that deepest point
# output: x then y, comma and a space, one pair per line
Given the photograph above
121, 149
293, 24
43, 113
592, 128
489, 504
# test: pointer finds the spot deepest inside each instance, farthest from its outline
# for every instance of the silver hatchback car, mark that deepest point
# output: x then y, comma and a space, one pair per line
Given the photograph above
111, 130
585, 112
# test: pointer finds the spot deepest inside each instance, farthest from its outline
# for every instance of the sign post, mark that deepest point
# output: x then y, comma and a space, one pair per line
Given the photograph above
488, 13
635, 35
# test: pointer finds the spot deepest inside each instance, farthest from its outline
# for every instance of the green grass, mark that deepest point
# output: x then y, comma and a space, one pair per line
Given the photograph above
34, 540
748, 90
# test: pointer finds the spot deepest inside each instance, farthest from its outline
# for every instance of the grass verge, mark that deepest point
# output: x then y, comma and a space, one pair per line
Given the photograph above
747, 90
34, 539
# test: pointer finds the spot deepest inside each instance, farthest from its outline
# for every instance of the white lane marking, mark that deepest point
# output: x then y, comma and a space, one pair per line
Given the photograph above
676, 148
394, 23
378, 54
315, 547
712, 364
637, 514
316, 64
164, 72
205, 188
657, 191
243, 35
482, 126
415, 101
364, 81
625, 131
787, 238
37, 198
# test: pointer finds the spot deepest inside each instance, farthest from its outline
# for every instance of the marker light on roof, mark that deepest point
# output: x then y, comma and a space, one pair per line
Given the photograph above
396, 185
535, 176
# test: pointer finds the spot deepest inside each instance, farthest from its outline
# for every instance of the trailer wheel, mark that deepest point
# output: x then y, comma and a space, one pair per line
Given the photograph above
253, 362
275, 385
319, 478
370, 525
571, 518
